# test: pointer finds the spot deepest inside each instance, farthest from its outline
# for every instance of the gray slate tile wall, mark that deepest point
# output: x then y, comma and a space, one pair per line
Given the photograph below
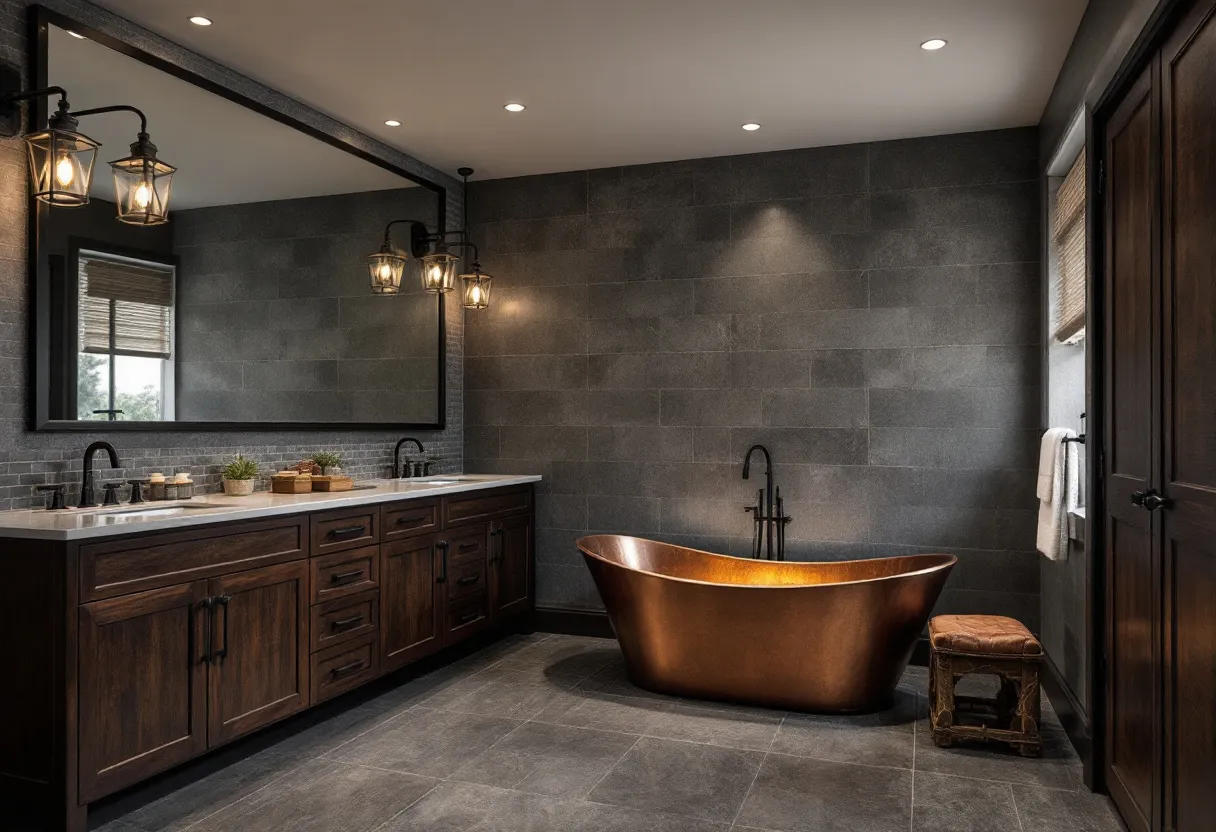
869, 312
27, 458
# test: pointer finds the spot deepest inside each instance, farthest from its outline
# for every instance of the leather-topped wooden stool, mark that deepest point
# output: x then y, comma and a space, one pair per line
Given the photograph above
960, 645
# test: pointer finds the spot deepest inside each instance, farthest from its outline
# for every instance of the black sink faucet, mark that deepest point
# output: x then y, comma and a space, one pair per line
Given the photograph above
397, 454
86, 484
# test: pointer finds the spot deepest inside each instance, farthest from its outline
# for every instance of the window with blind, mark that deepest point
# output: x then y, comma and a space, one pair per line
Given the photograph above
1068, 248
125, 338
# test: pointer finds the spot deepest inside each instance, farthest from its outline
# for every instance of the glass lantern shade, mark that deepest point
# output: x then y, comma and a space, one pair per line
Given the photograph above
61, 166
476, 292
386, 267
141, 189
439, 272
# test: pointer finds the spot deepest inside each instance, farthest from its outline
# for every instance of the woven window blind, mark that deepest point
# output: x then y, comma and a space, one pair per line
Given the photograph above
137, 300
1068, 242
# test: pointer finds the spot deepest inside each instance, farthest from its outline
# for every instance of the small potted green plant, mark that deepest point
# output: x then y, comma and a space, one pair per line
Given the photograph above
331, 463
240, 476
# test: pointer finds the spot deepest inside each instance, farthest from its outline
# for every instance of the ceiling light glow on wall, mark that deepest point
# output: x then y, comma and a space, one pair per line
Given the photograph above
76, 35
751, 127
514, 108
199, 20
392, 122
933, 44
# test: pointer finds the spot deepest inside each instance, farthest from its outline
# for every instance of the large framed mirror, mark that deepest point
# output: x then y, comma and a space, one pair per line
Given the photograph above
250, 308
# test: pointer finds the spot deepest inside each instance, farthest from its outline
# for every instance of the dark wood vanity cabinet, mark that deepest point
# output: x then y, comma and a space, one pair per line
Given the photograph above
137, 653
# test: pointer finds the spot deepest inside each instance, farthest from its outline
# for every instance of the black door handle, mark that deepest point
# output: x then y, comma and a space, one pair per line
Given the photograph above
222, 601
443, 561
339, 672
1150, 500
468, 579
209, 605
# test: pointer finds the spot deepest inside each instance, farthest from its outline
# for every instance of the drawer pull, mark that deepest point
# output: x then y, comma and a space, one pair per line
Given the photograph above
347, 533
344, 623
470, 546
469, 616
468, 579
417, 518
346, 577
347, 669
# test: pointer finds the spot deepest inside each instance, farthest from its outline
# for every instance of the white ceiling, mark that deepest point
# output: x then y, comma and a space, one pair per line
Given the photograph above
615, 82
225, 154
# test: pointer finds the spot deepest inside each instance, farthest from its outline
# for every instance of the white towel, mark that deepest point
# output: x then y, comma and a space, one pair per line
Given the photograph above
1063, 492
1048, 448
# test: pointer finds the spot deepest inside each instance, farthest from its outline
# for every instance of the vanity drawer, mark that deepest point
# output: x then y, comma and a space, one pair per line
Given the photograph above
469, 545
466, 578
345, 619
335, 531
134, 564
343, 574
485, 505
399, 520
343, 667
466, 616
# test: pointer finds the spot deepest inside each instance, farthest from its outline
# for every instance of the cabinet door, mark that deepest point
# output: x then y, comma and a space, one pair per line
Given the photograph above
511, 566
143, 694
259, 667
410, 613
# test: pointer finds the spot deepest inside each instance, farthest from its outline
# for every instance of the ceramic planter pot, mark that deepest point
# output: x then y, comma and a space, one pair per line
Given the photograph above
238, 488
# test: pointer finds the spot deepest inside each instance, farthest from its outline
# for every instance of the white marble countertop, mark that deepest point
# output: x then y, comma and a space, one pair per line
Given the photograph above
79, 524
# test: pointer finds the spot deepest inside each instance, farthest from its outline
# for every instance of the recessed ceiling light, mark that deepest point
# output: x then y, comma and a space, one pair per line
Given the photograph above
199, 20
514, 108
750, 126
77, 35
392, 122
933, 45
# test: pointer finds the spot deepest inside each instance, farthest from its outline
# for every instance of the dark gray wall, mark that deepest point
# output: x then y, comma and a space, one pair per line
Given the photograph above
276, 320
27, 458
870, 312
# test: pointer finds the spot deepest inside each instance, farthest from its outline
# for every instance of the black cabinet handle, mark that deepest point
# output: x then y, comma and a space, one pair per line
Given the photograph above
469, 616
496, 551
344, 623
470, 546
347, 533
346, 669
417, 518
443, 561
468, 579
346, 577
209, 605
222, 601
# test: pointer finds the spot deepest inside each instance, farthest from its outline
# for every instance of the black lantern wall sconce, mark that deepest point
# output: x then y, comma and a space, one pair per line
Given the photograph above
438, 264
61, 158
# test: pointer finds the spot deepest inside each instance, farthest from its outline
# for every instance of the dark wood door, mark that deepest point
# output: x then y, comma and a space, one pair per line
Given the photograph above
259, 666
410, 601
1188, 64
143, 685
1132, 550
511, 566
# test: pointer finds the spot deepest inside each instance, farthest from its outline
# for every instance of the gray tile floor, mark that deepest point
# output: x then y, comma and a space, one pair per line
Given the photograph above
544, 733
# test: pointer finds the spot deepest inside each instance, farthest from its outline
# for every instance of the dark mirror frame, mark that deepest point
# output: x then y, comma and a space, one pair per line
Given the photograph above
41, 284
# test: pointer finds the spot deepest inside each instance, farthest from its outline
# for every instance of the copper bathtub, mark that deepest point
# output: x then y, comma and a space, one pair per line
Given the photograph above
829, 637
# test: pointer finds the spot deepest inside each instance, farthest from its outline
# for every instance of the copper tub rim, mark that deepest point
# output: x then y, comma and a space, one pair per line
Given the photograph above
948, 563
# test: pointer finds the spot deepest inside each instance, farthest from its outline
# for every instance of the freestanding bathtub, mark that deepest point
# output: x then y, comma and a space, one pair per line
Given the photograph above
826, 637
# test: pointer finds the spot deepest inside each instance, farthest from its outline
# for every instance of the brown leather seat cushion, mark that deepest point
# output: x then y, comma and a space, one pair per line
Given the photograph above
989, 635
